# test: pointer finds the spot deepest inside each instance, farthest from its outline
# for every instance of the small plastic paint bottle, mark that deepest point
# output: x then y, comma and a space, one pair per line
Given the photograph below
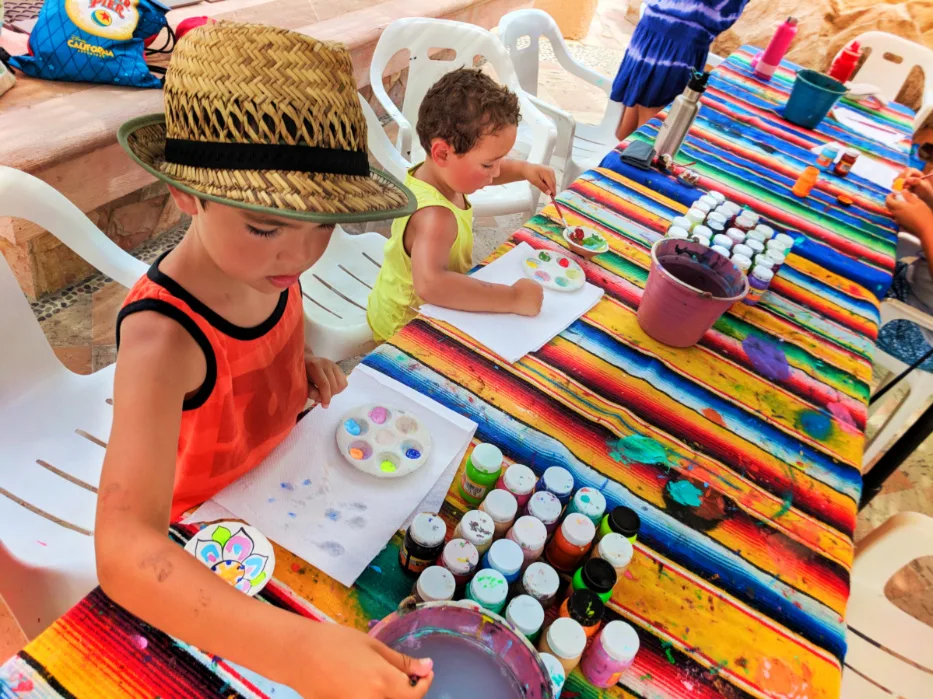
621, 520
696, 217
482, 471
777, 245
806, 182
589, 502
540, 581
571, 542
502, 506
586, 608
772, 259
752, 216
611, 654
546, 507
743, 262
786, 239
555, 671
519, 480
596, 575
755, 245
745, 222
435, 584
526, 614
505, 556
716, 227
476, 527
765, 230
827, 155
705, 242
423, 542
756, 235
460, 557
703, 231
721, 250
736, 236
715, 216
719, 197
844, 166
677, 233
723, 241
682, 222
702, 206
557, 480
742, 249
530, 534
758, 282
565, 640
490, 589
616, 550
710, 201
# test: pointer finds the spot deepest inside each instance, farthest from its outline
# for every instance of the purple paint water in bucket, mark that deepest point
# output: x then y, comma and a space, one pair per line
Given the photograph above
475, 653
689, 287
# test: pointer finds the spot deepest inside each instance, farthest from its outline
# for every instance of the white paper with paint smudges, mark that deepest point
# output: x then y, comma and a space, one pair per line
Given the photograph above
513, 336
308, 499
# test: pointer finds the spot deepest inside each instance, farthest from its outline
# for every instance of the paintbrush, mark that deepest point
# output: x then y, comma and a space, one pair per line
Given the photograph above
559, 212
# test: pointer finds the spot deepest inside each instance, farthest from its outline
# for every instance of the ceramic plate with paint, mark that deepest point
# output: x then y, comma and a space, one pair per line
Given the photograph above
236, 552
585, 241
383, 441
554, 271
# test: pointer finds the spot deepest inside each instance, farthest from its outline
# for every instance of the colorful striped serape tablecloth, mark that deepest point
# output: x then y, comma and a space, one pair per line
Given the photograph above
741, 596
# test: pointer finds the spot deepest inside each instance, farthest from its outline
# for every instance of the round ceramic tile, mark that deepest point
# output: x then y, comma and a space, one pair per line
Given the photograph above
554, 271
236, 552
383, 441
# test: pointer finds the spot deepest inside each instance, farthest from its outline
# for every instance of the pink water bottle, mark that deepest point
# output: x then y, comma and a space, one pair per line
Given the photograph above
764, 64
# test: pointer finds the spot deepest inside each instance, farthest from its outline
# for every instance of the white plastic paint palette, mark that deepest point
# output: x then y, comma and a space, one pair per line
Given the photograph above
236, 552
383, 441
554, 271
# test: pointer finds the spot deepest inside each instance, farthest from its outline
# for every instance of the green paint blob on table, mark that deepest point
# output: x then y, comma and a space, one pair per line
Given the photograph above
638, 449
685, 493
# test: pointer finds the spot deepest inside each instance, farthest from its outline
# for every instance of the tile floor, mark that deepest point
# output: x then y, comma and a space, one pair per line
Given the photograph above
79, 322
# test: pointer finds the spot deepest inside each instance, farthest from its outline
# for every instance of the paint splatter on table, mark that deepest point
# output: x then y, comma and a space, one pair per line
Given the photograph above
741, 456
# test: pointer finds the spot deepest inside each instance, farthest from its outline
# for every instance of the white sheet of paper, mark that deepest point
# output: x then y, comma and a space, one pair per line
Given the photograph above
513, 336
308, 499
864, 127
867, 167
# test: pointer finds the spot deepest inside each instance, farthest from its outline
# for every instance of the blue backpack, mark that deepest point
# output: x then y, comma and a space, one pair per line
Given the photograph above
95, 41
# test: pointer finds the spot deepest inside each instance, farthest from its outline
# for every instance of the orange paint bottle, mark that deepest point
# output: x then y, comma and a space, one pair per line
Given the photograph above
571, 542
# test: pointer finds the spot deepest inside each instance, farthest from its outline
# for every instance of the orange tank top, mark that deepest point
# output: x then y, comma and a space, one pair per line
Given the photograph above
253, 393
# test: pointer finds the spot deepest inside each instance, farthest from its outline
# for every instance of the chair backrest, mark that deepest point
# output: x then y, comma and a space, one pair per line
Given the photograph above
422, 37
380, 147
870, 615
889, 75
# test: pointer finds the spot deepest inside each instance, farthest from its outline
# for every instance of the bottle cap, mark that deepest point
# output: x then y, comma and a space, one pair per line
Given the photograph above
590, 502
696, 215
486, 458
742, 249
599, 575
786, 239
625, 521
620, 641
707, 199
701, 240
716, 216
678, 232
489, 587
519, 479
754, 244
476, 527
775, 244
427, 529
501, 505
680, 222
436, 584
585, 606
540, 580
545, 506
702, 230
698, 81
616, 550
529, 533
743, 262
460, 556
557, 479
718, 196
556, 672
723, 241
852, 152
767, 230
722, 251
778, 257
762, 273
703, 206
578, 529
566, 638
506, 556
736, 236
526, 614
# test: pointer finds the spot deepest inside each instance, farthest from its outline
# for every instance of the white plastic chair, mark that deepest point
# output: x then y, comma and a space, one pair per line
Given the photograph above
873, 620
579, 146
890, 76
55, 424
919, 382
419, 36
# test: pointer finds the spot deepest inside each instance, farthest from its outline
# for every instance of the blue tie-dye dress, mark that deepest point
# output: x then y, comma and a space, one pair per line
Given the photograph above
670, 42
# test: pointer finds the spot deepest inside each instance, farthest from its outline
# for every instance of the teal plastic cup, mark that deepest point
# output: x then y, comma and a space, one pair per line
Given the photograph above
811, 98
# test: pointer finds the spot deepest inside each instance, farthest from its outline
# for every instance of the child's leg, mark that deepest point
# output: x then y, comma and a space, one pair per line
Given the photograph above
646, 114
628, 124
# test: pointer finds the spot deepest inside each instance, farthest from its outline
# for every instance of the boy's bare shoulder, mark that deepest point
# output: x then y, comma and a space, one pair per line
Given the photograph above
155, 342
436, 219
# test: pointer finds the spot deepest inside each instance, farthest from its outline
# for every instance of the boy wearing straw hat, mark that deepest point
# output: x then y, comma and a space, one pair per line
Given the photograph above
467, 124
263, 143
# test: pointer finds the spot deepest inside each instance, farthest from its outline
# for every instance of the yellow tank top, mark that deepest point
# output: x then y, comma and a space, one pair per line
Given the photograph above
393, 301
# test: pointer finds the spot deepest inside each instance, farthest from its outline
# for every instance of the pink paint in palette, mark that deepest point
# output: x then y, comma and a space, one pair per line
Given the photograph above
383, 441
554, 271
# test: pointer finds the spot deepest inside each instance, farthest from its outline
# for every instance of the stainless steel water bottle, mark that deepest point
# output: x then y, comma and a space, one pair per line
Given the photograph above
680, 117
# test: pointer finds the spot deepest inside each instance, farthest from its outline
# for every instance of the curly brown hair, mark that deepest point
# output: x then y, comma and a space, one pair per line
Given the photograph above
462, 107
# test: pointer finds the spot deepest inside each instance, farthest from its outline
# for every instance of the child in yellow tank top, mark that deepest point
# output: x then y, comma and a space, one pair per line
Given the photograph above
467, 124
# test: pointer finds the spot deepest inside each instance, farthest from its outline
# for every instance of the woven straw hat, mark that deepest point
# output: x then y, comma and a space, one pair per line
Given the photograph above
265, 119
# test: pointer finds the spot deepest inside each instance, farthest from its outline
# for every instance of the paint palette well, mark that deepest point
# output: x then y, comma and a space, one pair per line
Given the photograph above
236, 552
554, 271
383, 441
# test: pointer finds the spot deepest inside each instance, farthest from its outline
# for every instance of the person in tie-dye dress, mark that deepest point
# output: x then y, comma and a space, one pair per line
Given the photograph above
672, 40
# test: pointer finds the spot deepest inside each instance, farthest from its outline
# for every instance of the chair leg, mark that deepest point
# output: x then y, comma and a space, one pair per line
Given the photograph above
919, 392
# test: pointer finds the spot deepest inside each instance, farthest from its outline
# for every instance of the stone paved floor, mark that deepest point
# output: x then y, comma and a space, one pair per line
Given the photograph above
79, 321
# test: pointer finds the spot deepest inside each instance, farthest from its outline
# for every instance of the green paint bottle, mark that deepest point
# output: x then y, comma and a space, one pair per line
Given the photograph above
482, 471
621, 520
596, 575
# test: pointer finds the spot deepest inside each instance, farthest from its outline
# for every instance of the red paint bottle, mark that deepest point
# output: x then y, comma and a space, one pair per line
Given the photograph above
844, 64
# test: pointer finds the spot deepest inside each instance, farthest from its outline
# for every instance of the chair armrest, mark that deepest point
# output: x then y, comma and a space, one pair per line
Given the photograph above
380, 147
926, 108
565, 123
570, 64
884, 551
403, 142
892, 309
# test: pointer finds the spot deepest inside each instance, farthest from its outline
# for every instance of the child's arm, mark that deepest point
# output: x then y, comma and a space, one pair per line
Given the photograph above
916, 217
541, 176
155, 579
432, 232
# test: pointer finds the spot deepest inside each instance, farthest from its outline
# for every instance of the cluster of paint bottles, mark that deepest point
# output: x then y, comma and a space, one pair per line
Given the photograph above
509, 555
737, 234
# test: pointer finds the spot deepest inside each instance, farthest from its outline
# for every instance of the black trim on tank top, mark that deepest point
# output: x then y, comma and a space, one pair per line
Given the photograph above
184, 320
237, 332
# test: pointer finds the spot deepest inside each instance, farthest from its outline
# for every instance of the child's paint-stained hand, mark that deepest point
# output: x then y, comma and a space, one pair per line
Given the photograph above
911, 213
325, 379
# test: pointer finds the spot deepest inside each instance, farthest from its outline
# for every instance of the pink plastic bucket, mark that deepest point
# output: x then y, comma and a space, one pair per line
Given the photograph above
689, 287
